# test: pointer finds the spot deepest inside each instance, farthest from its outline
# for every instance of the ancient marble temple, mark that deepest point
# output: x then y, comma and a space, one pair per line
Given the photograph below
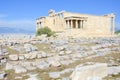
76, 24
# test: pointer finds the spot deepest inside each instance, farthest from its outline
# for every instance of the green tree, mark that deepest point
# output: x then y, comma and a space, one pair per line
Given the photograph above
44, 30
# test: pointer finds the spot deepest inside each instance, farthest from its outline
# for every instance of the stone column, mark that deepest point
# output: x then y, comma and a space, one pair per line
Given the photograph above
71, 24
57, 24
76, 24
79, 24
112, 22
68, 24
82, 24
38, 25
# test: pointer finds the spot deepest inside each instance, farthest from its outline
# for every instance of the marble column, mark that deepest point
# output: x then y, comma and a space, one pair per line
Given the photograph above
40, 25
68, 24
76, 24
112, 22
71, 24
82, 24
79, 24
37, 26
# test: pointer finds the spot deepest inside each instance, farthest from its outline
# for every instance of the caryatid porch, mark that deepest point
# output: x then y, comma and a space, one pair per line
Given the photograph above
75, 22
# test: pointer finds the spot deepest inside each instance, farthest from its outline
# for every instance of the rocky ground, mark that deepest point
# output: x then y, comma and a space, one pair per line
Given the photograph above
28, 57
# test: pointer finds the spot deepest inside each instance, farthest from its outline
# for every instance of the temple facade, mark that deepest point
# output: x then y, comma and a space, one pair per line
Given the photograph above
76, 24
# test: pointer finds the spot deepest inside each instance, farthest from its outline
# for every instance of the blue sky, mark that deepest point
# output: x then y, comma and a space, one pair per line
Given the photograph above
22, 13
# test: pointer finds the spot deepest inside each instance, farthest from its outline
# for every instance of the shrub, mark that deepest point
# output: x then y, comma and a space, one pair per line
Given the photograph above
44, 30
117, 32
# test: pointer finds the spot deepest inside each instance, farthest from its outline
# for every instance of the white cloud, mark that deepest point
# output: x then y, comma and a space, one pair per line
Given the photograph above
23, 24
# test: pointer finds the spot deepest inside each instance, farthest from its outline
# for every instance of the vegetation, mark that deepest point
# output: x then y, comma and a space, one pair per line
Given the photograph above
45, 30
117, 32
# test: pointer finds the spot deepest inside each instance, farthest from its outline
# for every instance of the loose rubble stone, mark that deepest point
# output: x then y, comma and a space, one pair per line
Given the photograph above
94, 78
54, 62
8, 66
43, 54
33, 55
11, 43
114, 70
21, 57
18, 77
30, 67
13, 57
3, 52
61, 53
19, 69
65, 79
68, 70
117, 79
42, 65
34, 48
4, 60
39, 55
59, 42
66, 62
33, 77
29, 48
68, 52
54, 75
3, 75
60, 48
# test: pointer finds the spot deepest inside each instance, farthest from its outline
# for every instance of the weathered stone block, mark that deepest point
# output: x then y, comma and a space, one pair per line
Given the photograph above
89, 71
13, 57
